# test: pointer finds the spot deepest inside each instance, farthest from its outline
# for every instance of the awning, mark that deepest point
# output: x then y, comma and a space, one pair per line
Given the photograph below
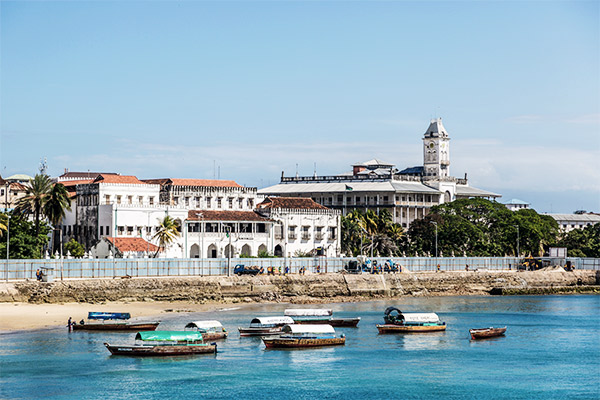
178, 336
205, 325
308, 312
272, 320
308, 329
420, 317
108, 315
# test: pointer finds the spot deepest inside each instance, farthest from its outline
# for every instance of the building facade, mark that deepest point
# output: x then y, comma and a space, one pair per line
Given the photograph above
376, 185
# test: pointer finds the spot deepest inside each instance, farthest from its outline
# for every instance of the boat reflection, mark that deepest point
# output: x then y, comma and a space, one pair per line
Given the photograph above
310, 356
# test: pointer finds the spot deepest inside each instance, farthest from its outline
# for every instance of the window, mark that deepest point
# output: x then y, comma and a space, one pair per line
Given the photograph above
340, 199
291, 232
130, 230
107, 199
151, 200
2, 192
319, 233
251, 203
230, 201
219, 202
118, 199
385, 199
148, 230
332, 232
186, 201
107, 230
208, 202
240, 203
130, 199
305, 232
140, 199
197, 201
101, 230
357, 199
121, 229
176, 200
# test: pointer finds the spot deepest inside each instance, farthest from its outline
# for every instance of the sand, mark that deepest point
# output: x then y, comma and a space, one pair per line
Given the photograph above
24, 316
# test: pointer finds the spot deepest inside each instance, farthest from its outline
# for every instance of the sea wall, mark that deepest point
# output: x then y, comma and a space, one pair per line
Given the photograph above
302, 288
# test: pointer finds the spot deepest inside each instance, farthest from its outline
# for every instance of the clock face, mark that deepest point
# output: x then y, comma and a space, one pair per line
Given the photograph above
431, 145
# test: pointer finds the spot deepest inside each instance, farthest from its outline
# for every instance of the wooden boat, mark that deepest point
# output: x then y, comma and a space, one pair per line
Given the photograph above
398, 322
164, 343
210, 330
485, 333
300, 336
265, 326
104, 321
320, 316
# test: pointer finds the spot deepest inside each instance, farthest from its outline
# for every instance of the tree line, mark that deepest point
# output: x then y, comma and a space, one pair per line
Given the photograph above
465, 228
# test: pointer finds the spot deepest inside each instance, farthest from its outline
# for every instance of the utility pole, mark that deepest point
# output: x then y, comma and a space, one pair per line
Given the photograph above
518, 252
228, 229
436, 237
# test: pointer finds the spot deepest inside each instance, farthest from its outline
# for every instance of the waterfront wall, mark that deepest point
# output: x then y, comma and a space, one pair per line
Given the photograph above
13, 270
301, 288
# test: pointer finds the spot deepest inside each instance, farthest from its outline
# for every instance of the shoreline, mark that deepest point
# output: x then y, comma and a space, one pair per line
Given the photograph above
28, 305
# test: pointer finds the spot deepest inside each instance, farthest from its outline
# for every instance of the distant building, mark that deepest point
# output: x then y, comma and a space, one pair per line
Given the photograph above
568, 222
302, 224
516, 204
377, 185
13, 189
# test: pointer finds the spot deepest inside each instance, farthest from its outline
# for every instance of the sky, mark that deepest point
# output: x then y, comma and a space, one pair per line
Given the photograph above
245, 90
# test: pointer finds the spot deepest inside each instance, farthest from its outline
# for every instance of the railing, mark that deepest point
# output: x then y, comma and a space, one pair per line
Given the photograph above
15, 270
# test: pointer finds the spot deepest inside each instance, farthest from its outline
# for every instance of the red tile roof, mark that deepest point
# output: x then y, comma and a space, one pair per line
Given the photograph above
73, 183
85, 175
291, 203
136, 244
118, 179
193, 182
195, 215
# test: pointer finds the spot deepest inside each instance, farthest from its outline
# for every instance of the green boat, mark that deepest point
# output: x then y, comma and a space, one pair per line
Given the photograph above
164, 343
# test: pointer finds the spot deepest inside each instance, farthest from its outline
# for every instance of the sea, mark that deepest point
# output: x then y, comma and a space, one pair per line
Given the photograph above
551, 351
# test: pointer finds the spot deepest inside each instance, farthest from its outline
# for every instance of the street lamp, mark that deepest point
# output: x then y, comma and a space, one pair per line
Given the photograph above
436, 237
518, 252
228, 229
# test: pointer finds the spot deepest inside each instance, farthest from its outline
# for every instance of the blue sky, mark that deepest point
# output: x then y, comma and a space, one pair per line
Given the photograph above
173, 89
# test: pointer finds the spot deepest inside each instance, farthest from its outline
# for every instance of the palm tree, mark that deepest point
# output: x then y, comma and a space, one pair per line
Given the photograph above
36, 196
166, 232
57, 202
3, 224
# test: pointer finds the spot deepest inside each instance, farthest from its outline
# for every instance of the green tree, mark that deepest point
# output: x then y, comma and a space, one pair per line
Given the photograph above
57, 201
167, 231
74, 248
374, 231
37, 191
582, 242
24, 244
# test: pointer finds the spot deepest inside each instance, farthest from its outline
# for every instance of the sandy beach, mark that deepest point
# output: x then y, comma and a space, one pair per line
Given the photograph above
24, 316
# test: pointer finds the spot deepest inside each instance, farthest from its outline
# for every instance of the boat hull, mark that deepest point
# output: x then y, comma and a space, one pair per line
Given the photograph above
260, 331
157, 351
117, 326
214, 336
284, 343
486, 333
389, 328
335, 322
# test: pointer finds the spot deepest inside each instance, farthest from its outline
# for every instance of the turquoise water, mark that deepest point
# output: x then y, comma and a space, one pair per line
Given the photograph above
551, 351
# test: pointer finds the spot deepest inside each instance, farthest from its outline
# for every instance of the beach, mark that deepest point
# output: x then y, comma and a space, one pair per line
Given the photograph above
25, 316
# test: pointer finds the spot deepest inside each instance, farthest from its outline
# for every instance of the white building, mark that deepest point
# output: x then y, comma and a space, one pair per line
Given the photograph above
568, 222
216, 218
376, 185
302, 224
516, 204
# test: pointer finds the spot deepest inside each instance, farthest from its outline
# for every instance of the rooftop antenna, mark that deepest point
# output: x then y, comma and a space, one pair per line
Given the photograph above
315, 172
214, 169
296, 170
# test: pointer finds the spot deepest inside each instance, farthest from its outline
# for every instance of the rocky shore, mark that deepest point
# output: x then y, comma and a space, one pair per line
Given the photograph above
301, 288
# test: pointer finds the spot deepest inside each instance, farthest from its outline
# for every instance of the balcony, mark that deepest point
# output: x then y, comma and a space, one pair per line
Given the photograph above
305, 236
318, 236
292, 236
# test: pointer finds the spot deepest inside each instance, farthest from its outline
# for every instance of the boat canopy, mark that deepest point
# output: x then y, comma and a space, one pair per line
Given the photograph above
108, 315
308, 312
179, 336
205, 326
420, 317
308, 329
272, 321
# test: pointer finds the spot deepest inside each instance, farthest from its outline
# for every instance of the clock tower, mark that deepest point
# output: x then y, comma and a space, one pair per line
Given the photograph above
436, 150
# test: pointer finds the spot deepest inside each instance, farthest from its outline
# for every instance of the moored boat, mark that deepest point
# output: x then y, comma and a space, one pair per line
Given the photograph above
300, 336
210, 330
105, 321
319, 316
485, 333
164, 343
398, 322
265, 326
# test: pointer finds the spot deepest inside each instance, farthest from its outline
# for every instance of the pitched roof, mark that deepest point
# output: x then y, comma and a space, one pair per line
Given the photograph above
84, 175
205, 215
19, 177
291, 203
118, 179
70, 185
373, 162
193, 182
517, 201
436, 129
136, 244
